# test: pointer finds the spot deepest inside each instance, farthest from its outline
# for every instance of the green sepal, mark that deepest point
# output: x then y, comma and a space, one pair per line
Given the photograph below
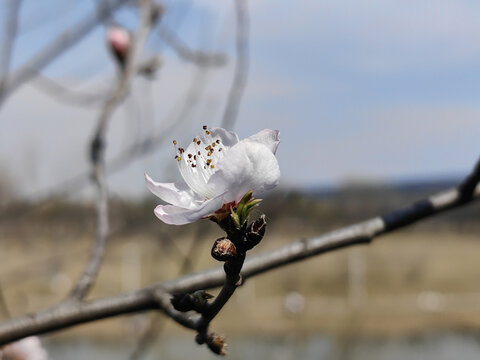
236, 219
240, 214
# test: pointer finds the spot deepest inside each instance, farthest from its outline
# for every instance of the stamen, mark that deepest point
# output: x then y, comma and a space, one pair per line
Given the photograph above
198, 164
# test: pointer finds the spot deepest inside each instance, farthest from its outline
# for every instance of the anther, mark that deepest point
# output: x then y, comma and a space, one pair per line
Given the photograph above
204, 127
213, 144
211, 166
174, 142
218, 141
179, 158
198, 142
207, 132
190, 156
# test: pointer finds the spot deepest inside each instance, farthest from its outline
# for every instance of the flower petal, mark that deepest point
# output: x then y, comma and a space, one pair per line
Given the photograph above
269, 138
173, 193
175, 215
227, 138
249, 165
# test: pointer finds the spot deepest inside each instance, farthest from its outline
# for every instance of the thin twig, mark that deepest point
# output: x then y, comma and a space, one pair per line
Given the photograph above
157, 323
157, 296
241, 66
135, 151
57, 46
197, 57
9, 37
63, 93
97, 155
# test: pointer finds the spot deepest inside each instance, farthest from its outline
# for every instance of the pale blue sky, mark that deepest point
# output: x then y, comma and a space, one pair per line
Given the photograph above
379, 90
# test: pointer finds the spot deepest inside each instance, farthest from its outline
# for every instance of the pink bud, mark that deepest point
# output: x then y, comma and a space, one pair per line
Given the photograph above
119, 40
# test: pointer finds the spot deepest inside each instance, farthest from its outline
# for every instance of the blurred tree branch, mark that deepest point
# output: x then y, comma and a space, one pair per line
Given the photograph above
97, 152
197, 57
157, 296
241, 66
57, 46
8, 40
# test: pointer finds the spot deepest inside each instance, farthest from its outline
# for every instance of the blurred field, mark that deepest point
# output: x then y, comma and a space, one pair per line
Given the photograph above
419, 279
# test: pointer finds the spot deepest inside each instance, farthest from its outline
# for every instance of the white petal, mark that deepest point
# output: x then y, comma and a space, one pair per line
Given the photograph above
227, 138
249, 165
269, 138
173, 193
175, 215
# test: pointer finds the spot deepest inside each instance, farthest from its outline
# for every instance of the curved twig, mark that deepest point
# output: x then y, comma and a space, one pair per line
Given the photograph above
97, 156
241, 66
59, 45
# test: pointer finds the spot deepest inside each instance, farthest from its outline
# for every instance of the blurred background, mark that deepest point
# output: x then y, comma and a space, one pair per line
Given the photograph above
377, 104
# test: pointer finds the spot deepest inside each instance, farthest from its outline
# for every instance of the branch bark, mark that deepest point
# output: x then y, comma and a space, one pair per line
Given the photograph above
157, 296
97, 155
241, 66
59, 45
197, 57
9, 37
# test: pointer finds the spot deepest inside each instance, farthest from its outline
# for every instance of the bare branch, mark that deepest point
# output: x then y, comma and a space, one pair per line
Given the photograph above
197, 57
59, 45
157, 296
134, 151
66, 94
157, 323
9, 37
241, 66
97, 155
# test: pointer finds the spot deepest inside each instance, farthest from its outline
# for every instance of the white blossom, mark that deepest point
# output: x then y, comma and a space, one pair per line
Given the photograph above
29, 348
217, 169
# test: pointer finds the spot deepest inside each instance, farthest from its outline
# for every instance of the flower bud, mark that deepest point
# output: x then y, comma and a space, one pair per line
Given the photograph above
217, 344
255, 232
119, 41
223, 249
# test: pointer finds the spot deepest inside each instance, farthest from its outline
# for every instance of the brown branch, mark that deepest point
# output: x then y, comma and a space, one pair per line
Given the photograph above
156, 325
57, 46
97, 155
157, 296
241, 66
